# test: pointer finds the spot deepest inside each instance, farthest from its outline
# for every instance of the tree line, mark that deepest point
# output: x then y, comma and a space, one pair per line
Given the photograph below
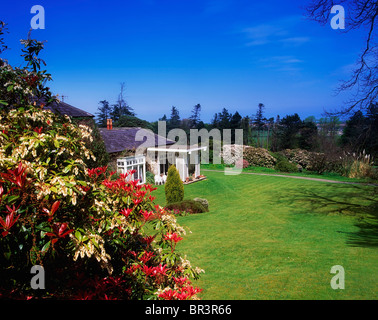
358, 133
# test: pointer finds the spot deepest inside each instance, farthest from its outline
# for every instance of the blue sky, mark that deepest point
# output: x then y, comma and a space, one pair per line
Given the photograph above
219, 53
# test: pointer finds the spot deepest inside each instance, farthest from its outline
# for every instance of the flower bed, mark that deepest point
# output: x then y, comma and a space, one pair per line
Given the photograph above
190, 180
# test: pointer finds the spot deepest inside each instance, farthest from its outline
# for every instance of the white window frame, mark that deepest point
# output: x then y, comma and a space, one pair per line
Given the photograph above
137, 163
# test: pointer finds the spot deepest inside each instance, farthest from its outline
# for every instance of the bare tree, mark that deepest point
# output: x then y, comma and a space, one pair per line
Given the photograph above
121, 108
364, 78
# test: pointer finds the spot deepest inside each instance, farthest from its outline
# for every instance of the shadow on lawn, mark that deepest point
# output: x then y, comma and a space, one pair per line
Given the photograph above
345, 199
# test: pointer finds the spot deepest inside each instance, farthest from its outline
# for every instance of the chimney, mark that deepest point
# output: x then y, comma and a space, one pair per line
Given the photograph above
109, 124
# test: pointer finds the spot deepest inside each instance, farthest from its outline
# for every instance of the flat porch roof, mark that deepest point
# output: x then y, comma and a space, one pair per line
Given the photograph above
179, 148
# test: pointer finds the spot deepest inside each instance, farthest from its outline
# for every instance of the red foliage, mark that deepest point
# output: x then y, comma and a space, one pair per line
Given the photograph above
173, 237
17, 176
10, 220
58, 231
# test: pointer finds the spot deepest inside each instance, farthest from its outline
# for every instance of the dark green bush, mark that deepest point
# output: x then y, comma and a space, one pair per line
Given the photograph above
375, 173
174, 188
190, 206
278, 156
286, 166
204, 202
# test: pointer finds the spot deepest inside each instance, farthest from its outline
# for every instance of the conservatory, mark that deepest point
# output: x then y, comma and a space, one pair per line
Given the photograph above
137, 163
185, 158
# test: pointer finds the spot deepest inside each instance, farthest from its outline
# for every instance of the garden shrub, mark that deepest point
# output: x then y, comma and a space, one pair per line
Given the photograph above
190, 206
174, 188
299, 156
374, 174
286, 166
326, 162
319, 163
204, 202
351, 165
97, 236
258, 157
242, 164
360, 169
314, 161
357, 165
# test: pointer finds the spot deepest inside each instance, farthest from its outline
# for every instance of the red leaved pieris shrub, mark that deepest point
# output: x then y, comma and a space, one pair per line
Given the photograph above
97, 236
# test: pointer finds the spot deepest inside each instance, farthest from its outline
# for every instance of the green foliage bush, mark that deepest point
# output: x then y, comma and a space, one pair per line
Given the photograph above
374, 174
286, 166
204, 202
174, 188
190, 206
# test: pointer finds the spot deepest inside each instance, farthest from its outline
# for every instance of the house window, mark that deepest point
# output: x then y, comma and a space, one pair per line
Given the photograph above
137, 163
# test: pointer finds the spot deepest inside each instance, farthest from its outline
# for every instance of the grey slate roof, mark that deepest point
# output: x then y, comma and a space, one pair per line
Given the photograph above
120, 139
65, 108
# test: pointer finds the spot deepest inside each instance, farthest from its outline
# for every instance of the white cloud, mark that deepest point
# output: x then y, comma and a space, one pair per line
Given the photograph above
279, 31
285, 63
295, 41
282, 59
263, 34
293, 60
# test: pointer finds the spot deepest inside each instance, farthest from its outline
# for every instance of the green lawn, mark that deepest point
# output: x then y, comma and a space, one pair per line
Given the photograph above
305, 173
269, 237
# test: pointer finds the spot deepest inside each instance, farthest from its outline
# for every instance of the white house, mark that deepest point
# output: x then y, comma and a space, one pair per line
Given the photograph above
159, 153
